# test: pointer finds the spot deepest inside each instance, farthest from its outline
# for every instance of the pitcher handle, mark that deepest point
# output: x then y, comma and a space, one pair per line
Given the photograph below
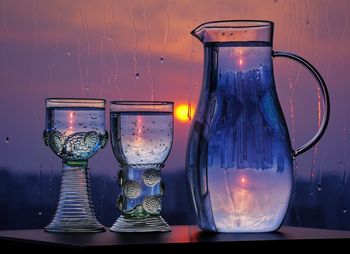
325, 97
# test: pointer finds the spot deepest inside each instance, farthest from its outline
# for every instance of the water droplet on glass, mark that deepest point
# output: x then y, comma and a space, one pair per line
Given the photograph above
7, 140
69, 53
308, 23
80, 123
319, 187
345, 210
161, 59
110, 37
137, 75
275, 1
40, 213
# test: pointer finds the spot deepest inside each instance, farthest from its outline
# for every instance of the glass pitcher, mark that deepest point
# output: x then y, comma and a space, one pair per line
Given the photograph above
239, 157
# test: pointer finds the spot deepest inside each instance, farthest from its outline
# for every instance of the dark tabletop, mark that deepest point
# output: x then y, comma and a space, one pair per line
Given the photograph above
182, 238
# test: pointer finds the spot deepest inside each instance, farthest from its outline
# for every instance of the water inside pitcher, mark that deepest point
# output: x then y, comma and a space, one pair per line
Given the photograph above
239, 157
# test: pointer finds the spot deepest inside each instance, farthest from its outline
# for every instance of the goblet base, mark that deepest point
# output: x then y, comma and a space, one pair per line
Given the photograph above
75, 227
134, 224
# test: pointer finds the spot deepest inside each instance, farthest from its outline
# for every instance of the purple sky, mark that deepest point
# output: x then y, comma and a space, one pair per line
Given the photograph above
95, 48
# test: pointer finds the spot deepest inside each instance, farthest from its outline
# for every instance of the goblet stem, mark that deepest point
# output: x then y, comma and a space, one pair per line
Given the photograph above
75, 212
140, 200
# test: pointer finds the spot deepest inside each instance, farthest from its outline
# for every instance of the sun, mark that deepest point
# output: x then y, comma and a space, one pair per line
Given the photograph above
184, 112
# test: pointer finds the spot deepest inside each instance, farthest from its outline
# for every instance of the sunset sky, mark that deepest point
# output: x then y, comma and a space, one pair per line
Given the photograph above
143, 50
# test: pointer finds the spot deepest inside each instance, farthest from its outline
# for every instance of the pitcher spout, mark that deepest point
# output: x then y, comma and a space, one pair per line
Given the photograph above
234, 30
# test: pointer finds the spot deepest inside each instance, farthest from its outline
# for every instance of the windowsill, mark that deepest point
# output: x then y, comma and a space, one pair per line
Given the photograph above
182, 238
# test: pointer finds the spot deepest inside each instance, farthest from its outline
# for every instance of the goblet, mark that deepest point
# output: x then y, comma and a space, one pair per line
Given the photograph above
142, 136
75, 131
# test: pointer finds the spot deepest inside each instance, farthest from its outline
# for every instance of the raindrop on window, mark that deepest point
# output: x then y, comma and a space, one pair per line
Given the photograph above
69, 53
137, 75
7, 140
308, 23
345, 210
319, 187
161, 59
40, 213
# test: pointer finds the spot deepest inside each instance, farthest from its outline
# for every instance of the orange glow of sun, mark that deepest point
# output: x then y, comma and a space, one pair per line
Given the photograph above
184, 112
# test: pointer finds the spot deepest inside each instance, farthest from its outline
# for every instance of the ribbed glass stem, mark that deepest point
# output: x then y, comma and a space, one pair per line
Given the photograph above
75, 212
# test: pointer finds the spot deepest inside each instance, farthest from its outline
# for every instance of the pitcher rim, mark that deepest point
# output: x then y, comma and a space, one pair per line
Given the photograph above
229, 23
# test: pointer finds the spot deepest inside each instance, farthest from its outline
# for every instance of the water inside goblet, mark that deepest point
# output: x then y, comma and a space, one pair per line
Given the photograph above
142, 137
75, 133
